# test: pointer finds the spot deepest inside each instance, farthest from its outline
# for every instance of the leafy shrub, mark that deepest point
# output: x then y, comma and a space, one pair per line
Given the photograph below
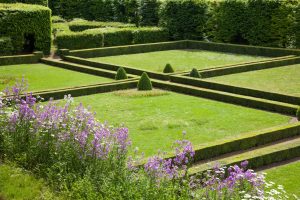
121, 74
150, 34
168, 68
185, 19
149, 11
298, 114
116, 36
6, 47
195, 73
80, 40
144, 82
19, 20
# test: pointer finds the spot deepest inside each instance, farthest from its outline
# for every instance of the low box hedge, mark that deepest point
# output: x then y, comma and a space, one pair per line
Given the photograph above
130, 49
21, 59
251, 102
236, 89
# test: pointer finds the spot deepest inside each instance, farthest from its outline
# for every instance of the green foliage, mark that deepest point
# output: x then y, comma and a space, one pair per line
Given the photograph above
298, 114
149, 12
168, 68
57, 19
6, 47
38, 2
116, 36
144, 82
149, 35
121, 74
184, 19
195, 73
19, 20
81, 40
78, 25
126, 11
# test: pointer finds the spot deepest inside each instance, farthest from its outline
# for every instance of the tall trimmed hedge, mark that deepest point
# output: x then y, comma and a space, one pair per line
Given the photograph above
185, 19
18, 20
149, 12
38, 2
150, 35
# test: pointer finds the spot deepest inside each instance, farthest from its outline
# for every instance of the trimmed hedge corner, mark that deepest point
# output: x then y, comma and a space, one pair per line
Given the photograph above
168, 68
24, 24
121, 74
144, 82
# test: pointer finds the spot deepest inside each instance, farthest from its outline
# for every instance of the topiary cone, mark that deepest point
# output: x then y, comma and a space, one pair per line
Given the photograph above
298, 114
144, 82
168, 68
121, 74
194, 73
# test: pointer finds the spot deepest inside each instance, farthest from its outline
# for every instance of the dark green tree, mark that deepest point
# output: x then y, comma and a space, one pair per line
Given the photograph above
121, 74
168, 68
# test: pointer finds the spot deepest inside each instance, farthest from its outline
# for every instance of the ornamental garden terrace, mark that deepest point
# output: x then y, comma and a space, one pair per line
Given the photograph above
149, 99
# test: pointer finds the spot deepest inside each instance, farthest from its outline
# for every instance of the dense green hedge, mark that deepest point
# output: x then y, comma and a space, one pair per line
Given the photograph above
81, 40
116, 36
6, 47
82, 25
38, 2
17, 20
149, 12
150, 35
185, 19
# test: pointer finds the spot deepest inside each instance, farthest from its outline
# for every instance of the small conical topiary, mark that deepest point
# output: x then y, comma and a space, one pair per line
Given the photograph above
121, 74
144, 82
168, 68
298, 114
194, 73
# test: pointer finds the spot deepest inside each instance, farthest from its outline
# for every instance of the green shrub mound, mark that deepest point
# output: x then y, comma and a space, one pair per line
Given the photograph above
6, 47
195, 73
25, 24
298, 114
144, 83
168, 68
121, 74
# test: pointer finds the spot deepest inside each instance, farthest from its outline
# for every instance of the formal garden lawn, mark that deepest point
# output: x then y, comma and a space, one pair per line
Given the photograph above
286, 175
281, 80
156, 121
181, 60
41, 77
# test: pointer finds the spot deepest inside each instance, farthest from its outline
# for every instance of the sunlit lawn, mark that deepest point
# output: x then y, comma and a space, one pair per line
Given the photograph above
181, 60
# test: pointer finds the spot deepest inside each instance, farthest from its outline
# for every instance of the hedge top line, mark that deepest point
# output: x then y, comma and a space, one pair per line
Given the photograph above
22, 7
213, 46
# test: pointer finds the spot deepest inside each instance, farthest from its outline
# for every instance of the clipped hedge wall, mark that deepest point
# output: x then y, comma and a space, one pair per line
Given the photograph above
185, 19
81, 40
17, 20
21, 59
149, 12
82, 25
38, 2
150, 35
116, 37
6, 47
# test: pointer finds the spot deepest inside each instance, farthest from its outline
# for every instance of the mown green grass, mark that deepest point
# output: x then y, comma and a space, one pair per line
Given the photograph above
287, 175
156, 121
180, 60
41, 77
16, 184
282, 80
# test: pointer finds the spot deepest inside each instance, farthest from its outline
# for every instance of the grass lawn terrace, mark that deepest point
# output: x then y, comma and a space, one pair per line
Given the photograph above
284, 80
155, 122
42, 77
181, 60
286, 175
